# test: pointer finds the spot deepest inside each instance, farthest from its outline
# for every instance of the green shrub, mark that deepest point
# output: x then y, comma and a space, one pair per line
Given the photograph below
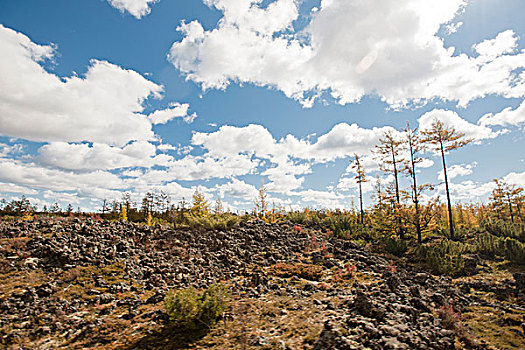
216, 222
445, 257
505, 229
514, 251
182, 306
309, 218
186, 308
491, 245
347, 226
395, 246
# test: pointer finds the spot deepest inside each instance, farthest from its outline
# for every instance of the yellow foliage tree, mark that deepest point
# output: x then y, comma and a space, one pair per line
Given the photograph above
200, 206
123, 216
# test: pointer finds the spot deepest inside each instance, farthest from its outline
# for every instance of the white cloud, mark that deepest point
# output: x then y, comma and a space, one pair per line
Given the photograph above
101, 156
342, 51
321, 199
175, 110
238, 189
504, 43
457, 170
6, 150
13, 188
468, 190
136, 8
104, 106
36, 177
517, 179
452, 119
508, 116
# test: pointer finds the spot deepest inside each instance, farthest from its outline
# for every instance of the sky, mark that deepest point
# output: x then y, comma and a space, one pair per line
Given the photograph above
103, 97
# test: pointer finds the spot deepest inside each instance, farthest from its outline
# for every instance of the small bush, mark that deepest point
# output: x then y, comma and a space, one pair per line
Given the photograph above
217, 222
395, 246
448, 316
186, 308
445, 257
306, 271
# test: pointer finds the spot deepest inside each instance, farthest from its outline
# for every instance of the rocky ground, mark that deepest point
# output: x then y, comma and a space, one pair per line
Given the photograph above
77, 284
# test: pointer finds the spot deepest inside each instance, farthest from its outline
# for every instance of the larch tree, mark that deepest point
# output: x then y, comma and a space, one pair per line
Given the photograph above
360, 178
261, 202
200, 206
389, 155
219, 208
443, 139
414, 148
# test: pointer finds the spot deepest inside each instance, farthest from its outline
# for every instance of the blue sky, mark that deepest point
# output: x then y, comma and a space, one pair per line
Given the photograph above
101, 97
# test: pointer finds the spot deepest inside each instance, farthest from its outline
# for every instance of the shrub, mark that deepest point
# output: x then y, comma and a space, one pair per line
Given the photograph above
306, 271
514, 251
505, 229
218, 222
186, 308
347, 227
445, 257
449, 318
395, 246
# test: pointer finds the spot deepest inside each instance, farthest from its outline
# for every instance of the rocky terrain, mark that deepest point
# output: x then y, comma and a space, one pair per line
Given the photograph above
77, 284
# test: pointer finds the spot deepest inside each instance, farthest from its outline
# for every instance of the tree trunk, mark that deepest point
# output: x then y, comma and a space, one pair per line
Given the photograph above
510, 209
361, 203
450, 221
416, 199
394, 164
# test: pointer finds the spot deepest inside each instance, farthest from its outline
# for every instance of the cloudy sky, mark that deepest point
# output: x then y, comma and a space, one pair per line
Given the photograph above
102, 97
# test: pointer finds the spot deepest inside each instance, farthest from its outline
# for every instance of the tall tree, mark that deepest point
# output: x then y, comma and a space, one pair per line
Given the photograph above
360, 178
444, 139
414, 148
388, 153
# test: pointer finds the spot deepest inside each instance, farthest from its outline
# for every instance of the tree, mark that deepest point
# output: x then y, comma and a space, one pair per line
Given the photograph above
388, 153
200, 204
69, 210
105, 206
123, 216
506, 196
219, 208
261, 202
414, 147
360, 178
55, 209
444, 139
147, 203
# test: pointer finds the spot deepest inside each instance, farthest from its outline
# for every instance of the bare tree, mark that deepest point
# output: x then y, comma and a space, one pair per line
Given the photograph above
414, 147
360, 178
388, 153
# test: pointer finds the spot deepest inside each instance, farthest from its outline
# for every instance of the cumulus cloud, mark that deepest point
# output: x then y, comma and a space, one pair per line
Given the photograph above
517, 179
101, 156
137, 8
468, 190
508, 116
13, 188
321, 199
37, 177
238, 189
175, 110
289, 157
504, 43
103, 106
343, 52
457, 170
